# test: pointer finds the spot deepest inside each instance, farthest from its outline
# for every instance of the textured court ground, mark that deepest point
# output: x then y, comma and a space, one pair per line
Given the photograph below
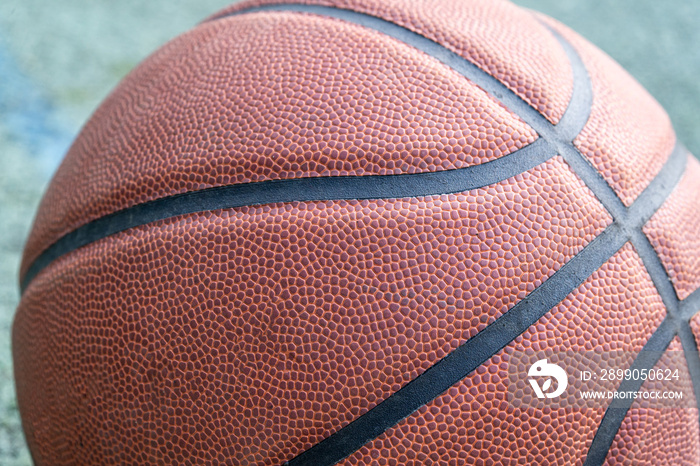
60, 64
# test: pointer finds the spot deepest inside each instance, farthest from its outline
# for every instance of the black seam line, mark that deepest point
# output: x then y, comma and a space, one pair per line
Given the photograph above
577, 112
656, 271
571, 123
560, 135
632, 220
299, 190
690, 306
637, 215
580, 100
453, 60
690, 349
648, 202
617, 410
467, 357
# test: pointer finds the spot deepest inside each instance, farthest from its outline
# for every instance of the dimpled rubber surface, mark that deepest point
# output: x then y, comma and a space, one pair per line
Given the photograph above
252, 334
527, 58
474, 421
628, 136
695, 327
673, 231
655, 436
271, 96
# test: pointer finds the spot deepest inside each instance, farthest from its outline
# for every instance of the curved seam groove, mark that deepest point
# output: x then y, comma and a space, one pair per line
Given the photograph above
569, 128
690, 349
298, 190
578, 111
638, 214
461, 65
561, 135
618, 408
656, 193
467, 357
690, 306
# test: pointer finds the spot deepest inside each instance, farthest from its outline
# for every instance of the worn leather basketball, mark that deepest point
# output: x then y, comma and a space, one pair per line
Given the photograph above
316, 232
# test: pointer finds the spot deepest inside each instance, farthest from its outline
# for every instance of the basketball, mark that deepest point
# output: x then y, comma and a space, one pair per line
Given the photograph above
323, 232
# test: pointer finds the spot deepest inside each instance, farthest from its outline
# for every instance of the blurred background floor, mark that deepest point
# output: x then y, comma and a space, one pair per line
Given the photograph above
58, 60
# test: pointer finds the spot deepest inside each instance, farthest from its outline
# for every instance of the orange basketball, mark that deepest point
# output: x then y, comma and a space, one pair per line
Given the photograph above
318, 232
